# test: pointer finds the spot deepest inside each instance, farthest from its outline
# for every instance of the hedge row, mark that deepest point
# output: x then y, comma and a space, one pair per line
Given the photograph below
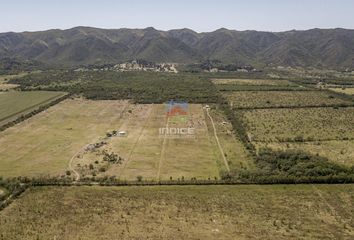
34, 112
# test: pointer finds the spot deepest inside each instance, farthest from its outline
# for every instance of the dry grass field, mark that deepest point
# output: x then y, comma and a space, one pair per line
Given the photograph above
44, 144
270, 99
65, 136
182, 212
236, 154
349, 91
341, 152
273, 125
153, 156
4, 85
14, 103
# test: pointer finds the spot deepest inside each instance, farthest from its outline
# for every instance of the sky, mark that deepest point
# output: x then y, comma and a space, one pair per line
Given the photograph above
199, 15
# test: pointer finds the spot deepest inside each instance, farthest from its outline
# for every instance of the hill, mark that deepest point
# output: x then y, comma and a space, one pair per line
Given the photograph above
332, 48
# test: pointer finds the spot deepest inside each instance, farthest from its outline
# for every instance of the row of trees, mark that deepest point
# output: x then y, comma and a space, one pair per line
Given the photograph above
34, 112
13, 187
290, 166
141, 87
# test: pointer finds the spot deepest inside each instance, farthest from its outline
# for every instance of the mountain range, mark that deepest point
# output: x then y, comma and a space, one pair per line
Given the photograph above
332, 48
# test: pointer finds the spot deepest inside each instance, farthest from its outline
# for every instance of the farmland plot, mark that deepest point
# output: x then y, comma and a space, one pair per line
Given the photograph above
349, 91
253, 82
303, 124
341, 152
236, 154
274, 99
255, 85
147, 153
44, 144
13, 104
182, 212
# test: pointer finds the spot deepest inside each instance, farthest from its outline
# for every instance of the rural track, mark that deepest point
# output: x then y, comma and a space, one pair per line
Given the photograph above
162, 153
218, 142
136, 142
71, 168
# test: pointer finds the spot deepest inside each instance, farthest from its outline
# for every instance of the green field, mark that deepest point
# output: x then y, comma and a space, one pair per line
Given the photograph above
274, 99
309, 124
14, 104
182, 212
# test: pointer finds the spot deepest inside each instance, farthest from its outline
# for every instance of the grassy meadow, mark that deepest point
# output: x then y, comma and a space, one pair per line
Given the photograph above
14, 103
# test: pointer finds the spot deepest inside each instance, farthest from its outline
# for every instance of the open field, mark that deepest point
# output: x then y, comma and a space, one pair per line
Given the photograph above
45, 143
6, 86
13, 104
66, 135
182, 212
146, 153
341, 152
236, 154
309, 124
349, 91
270, 99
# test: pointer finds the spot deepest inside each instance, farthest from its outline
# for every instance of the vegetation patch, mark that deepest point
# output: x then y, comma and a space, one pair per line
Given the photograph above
340, 152
235, 152
253, 82
142, 87
181, 212
233, 84
298, 125
284, 99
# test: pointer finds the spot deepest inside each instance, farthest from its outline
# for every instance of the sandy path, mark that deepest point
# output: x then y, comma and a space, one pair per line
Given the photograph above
218, 142
162, 153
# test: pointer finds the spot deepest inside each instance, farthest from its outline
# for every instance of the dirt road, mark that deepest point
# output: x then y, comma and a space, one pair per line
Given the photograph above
218, 142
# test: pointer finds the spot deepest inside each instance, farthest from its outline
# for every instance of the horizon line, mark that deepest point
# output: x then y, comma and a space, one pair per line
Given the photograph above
184, 28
